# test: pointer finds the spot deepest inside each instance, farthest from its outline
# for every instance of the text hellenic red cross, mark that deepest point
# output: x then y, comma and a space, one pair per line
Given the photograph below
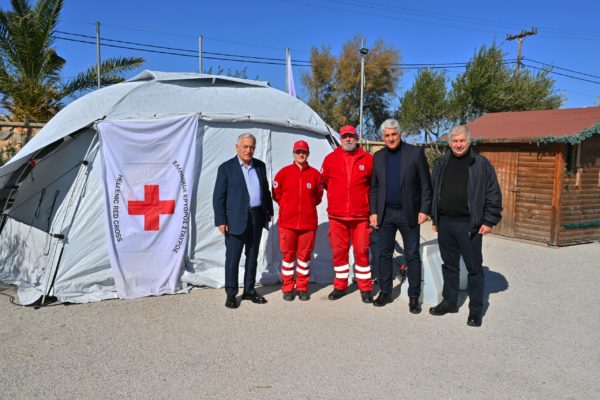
151, 207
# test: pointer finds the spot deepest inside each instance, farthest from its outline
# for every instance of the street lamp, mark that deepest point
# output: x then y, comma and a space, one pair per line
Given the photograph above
363, 52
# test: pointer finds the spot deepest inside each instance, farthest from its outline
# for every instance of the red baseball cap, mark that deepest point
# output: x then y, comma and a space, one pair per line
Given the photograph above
301, 145
347, 130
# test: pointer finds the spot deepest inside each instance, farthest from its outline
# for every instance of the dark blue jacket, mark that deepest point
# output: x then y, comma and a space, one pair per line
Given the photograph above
231, 199
484, 197
415, 183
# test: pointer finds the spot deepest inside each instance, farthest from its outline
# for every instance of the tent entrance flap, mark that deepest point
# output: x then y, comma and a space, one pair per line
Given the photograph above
45, 188
37, 226
26, 257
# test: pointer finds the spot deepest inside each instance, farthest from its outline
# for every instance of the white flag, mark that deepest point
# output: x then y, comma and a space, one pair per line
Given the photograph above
291, 88
148, 169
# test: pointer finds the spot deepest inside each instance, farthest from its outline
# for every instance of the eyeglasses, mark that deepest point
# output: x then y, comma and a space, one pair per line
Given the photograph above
301, 152
348, 136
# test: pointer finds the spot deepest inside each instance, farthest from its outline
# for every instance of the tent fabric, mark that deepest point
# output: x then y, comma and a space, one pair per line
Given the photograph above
155, 94
52, 238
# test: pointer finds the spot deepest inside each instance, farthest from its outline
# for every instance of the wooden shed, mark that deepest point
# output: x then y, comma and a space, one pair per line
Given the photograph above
548, 166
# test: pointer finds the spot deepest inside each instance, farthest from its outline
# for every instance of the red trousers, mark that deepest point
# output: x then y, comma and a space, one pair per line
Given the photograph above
296, 244
341, 234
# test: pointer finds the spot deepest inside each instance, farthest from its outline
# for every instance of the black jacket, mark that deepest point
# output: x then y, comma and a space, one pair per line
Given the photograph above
484, 197
415, 183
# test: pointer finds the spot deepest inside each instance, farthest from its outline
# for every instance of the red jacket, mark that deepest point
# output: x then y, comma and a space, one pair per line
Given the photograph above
347, 178
298, 192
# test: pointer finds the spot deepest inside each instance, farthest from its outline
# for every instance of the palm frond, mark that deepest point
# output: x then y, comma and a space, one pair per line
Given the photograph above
20, 7
111, 72
31, 87
46, 14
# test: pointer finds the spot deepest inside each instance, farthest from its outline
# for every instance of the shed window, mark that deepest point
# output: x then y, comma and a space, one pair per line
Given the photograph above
570, 159
574, 163
579, 167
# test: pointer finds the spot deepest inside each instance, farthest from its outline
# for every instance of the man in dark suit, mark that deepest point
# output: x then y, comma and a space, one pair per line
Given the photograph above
400, 199
243, 207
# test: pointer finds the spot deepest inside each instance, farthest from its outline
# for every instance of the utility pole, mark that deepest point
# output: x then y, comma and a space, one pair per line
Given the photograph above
98, 61
519, 37
363, 52
200, 54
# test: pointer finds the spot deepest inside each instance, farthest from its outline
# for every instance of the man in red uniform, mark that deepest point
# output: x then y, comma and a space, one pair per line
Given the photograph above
298, 190
346, 175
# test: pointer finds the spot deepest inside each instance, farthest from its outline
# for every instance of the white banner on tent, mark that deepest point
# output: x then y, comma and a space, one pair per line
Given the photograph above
148, 177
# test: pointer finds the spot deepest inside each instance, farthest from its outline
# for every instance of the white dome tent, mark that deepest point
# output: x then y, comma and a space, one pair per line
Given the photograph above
52, 237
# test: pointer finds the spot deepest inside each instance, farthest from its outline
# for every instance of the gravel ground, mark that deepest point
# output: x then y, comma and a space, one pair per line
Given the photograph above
539, 340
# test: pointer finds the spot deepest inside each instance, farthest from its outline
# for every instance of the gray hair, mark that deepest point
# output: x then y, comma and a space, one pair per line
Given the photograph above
246, 136
391, 123
460, 129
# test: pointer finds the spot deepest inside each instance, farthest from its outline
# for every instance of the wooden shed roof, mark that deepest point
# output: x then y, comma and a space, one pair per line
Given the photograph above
571, 125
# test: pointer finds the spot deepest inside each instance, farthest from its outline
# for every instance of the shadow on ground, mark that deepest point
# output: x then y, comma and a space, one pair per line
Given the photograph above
495, 282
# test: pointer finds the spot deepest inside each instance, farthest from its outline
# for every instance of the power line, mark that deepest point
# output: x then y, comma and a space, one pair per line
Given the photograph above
561, 74
434, 66
128, 28
176, 49
427, 64
425, 14
546, 31
449, 64
126, 42
387, 16
281, 62
179, 54
561, 68
124, 47
194, 53
573, 92
550, 32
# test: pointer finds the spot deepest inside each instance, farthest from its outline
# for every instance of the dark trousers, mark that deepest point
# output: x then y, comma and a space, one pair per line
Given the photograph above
250, 242
455, 240
394, 220
374, 251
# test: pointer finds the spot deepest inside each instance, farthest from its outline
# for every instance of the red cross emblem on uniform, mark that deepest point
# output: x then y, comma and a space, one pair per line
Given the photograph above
151, 207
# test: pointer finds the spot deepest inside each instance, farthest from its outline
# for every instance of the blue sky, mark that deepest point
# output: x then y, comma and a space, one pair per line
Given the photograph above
424, 32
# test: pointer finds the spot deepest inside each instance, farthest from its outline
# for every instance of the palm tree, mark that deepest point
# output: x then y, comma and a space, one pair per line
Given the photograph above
31, 88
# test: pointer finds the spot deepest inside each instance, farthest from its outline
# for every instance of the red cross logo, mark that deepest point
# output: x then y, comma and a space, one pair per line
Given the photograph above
151, 207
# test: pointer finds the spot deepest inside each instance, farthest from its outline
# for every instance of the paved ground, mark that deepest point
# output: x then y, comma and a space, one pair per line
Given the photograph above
539, 340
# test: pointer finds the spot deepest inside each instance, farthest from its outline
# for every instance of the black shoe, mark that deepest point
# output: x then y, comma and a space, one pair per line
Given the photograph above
303, 295
414, 306
254, 297
288, 296
442, 309
231, 302
336, 294
366, 297
382, 299
474, 320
